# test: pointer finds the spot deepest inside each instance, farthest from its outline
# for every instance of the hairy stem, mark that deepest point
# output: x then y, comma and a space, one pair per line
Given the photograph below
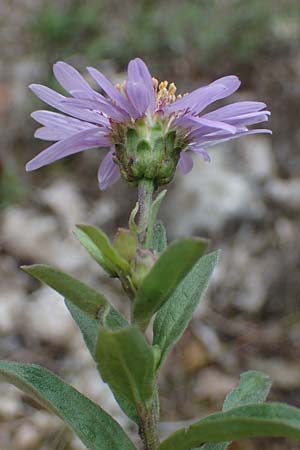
148, 430
145, 194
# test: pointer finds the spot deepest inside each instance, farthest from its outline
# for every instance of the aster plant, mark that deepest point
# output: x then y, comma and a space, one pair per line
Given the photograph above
148, 131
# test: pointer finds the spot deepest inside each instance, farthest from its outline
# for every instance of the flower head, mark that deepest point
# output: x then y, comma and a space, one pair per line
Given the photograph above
148, 130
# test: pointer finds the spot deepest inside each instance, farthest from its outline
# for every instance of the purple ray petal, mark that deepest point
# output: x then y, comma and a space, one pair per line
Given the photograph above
217, 138
185, 162
199, 99
70, 79
111, 90
195, 123
246, 120
55, 99
102, 106
139, 97
83, 140
108, 172
52, 134
52, 119
138, 72
200, 151
235, 109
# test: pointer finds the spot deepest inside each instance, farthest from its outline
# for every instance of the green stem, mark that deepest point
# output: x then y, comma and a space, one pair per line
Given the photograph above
148, 430
145, 194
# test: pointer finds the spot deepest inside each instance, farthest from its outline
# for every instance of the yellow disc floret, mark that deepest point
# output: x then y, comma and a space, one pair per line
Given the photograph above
165, 92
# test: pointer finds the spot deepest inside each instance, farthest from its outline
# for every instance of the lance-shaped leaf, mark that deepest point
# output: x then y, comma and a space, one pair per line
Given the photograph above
89, 328
152, 219
126, 363
96, 429
100, 248
81, 295
89, 310
255, 420
164, 277
254, 387
159, 242
175, 315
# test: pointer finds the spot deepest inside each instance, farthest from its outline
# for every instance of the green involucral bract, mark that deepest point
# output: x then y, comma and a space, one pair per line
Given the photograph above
147, 150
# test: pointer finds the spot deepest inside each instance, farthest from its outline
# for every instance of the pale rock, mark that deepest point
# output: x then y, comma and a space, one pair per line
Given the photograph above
77, 444
12, 302
103, 210
46, 422
247, 288
213, 385
210, 196
28, 234
12, 295
208, 337
257, 157
285, 193
10, 404
285, 374
36, 237
64, 198
25, 70
47, 318
26, 437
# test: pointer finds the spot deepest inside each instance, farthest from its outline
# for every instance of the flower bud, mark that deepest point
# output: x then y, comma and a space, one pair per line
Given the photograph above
126, 243
144, 261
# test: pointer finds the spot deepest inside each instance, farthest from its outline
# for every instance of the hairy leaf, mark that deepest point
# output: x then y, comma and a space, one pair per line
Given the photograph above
96, 429
100, 248
78, 293
89, 328
175, 315
254, 387
164, 277
152, 219
126, 363
255, 420
159, 242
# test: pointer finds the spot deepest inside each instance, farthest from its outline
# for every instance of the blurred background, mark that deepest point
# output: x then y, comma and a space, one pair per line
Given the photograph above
247, 200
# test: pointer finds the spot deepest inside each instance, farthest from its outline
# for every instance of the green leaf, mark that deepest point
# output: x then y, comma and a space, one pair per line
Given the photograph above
100, 248
164, 277
175, 315
152, 219
254, 387
159, 237
132, 225
126, 363
255, 420
89, 328
96, 429
81, 295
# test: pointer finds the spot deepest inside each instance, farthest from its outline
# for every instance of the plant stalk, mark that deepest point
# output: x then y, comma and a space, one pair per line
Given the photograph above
148, 430
145, 194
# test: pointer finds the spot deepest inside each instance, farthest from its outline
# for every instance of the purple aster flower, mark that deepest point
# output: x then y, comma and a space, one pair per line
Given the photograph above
148, 130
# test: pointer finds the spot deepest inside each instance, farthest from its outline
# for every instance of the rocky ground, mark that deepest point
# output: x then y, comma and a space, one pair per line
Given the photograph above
247, 200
